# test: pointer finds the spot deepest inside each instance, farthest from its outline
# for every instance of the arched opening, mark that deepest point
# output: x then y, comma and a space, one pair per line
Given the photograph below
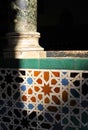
62, 24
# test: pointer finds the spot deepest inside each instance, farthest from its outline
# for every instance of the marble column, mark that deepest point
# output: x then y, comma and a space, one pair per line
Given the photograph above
23, 37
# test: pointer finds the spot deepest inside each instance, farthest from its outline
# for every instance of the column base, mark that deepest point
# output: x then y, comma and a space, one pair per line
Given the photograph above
24, 45
24, 54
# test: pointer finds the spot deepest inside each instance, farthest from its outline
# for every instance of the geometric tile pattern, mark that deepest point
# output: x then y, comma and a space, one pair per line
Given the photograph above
43, 99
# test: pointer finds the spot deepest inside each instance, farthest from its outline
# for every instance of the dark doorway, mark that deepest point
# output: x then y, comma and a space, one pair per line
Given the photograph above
62, 26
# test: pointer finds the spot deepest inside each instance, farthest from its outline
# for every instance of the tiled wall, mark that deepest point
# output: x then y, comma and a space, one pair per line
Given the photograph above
43, 99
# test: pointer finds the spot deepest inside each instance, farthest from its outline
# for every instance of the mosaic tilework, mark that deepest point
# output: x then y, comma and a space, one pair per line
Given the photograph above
33, 99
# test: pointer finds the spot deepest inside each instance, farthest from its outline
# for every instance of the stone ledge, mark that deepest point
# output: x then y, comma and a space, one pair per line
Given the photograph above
25, 54
74, 53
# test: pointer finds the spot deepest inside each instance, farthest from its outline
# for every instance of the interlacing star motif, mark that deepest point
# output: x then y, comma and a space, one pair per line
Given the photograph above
46, 89
9, 78
25, 122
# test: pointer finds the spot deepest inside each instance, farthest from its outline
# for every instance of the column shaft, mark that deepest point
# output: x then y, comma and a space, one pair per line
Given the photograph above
26, 18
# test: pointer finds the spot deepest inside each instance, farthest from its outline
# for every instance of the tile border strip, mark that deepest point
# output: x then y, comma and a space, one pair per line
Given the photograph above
47, 63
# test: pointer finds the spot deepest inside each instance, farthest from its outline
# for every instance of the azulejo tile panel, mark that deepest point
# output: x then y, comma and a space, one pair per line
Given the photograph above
43, 99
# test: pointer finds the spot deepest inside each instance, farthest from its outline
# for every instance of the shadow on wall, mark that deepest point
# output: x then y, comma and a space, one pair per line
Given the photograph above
3, 22
7, 25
